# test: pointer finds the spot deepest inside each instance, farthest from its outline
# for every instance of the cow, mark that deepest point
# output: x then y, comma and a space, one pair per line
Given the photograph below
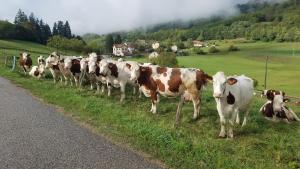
232, 94
275, 109
171, 82
84, 69
118, 74
72, 64
65, 65
52, 63
25, 62
94, 74
39, 70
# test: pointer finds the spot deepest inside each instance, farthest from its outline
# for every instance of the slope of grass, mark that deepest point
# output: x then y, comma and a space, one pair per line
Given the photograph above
261, 144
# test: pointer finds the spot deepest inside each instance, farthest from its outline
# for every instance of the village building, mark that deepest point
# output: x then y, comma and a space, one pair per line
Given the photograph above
125, 49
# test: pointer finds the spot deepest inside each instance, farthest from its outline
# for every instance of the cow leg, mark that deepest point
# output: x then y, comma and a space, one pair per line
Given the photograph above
109, 89
223, 124
245, 118
122, 87
140, 93
237, 120
178, 113
231, 125
196, 103
154, 102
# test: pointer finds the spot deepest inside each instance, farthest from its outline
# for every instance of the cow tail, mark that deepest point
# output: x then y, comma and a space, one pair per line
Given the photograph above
294, 114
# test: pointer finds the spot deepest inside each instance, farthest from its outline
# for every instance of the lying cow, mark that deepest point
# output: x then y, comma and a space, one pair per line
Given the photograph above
275, 107
171, 82
233, 95
39, 70
118, 74
25, 62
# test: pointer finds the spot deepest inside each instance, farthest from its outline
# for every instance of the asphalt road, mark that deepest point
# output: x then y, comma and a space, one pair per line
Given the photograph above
34, 135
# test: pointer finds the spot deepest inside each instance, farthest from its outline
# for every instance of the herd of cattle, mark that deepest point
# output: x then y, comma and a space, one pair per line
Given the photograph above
233, 94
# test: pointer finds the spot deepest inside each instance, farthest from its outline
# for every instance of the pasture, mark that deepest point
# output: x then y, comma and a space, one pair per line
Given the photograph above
260, 144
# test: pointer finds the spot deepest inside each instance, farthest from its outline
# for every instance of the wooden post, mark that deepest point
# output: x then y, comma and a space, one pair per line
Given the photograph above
14, 63
266, 72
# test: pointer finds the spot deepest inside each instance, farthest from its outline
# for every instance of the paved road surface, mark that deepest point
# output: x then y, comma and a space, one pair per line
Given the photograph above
34, 135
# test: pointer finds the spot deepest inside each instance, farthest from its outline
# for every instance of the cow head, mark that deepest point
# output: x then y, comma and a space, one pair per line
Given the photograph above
134, 71
53, 59
104, 67
220, 81
41, 60
24, 55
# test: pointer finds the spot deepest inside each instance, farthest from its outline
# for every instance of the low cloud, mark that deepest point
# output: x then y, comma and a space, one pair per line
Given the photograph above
103, 16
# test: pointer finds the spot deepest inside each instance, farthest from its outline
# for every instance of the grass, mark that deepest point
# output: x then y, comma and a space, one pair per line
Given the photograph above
261, 144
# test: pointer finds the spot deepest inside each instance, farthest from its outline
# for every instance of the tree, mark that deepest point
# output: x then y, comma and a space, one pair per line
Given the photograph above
118, 39
20, 18
55, 30
60, 28
67, 30
109, 41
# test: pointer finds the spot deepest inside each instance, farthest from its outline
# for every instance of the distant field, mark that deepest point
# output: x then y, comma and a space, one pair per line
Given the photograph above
260, 144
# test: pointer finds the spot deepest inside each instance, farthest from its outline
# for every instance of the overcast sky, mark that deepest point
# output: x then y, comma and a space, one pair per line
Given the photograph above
103, 16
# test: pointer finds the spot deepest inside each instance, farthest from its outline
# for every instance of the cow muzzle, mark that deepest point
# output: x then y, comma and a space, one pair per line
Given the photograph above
218, 95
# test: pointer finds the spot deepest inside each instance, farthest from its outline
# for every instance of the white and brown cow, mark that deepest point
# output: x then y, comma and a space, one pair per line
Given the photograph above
72, 64
118, 74
39, 70
25, 62
52, 63
94, 74
275, 109
232, 94
172, 82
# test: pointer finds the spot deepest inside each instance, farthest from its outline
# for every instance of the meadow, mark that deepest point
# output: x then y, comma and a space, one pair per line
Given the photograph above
260, 144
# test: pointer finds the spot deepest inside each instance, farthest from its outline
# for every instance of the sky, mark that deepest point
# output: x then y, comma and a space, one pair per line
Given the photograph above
104, 16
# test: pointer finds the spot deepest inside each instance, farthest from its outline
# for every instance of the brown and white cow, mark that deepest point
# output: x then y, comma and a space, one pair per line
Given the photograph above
232, 94
171, 82
25, 62
118, 74
275, 109
39, 70
94, 74
52, 63
72, 64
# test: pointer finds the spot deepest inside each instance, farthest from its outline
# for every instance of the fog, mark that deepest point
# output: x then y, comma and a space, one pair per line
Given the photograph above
104, 16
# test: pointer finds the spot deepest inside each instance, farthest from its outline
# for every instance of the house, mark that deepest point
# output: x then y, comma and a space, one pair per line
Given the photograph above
197, 43
155, 45
125, 49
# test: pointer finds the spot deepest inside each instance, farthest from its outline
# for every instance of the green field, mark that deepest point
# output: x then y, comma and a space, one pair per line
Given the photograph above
261, 144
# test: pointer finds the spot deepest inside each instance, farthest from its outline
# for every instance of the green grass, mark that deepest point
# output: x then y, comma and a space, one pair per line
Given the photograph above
261, 144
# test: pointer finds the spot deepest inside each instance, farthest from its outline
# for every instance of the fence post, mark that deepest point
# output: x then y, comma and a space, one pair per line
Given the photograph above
266, 72
14, 63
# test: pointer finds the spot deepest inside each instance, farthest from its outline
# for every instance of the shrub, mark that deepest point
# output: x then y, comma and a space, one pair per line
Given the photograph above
182, 53
165, 59
198, 51
213, 49
233, 48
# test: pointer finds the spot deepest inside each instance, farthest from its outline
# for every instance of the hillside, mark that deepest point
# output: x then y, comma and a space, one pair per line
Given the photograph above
256, 21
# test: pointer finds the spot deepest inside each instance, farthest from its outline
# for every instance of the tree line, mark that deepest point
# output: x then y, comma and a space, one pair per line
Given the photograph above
31, 28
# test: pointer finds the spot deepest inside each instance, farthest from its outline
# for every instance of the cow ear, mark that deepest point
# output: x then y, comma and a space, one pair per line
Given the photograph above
231, 81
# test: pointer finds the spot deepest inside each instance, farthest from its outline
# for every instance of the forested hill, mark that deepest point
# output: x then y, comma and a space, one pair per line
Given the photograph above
257, 21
